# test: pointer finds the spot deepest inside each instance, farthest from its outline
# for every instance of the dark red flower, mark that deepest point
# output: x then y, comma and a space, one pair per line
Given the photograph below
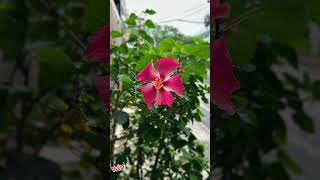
159, 83
223, 80
219, 10
102, 83
100, 45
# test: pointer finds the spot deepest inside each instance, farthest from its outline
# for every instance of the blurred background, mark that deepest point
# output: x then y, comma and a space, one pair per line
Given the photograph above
304, 147
52, 122
274, 46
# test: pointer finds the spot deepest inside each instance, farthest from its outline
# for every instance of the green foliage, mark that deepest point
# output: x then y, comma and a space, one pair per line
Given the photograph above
115, 34
150, 24
312, 10
150, 11
200, 50
131, 20
96, 15
55, 68
13, 25
161, 32
236, 48
165, 45
144, 61
159, 133
250, 145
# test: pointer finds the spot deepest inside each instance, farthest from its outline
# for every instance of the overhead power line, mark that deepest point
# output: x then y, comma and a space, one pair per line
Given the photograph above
194, 12
187, 12
182, 20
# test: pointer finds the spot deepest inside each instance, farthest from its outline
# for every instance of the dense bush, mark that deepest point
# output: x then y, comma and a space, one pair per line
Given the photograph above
157, 142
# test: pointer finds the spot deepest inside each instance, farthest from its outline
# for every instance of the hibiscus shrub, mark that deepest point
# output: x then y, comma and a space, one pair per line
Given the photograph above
154, 139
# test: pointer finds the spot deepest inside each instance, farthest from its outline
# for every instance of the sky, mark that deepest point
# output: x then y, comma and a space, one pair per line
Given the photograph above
169, 10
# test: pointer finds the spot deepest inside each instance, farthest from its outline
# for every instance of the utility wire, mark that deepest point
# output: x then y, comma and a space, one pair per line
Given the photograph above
185, 13
182, 20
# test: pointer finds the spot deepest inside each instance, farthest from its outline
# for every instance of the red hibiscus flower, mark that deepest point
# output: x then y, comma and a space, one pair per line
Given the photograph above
223, 80
219, 10
100, 45
159, 82
102, 84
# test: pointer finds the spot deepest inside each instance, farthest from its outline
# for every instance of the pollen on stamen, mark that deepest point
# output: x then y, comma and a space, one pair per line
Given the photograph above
157, 83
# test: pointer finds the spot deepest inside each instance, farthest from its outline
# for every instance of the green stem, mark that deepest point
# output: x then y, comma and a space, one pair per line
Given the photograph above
161, 145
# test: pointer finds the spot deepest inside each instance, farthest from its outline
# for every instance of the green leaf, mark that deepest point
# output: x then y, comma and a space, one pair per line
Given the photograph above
304, 121
145, 61
196, 67
313, 12
280, 132
126, 82
193, 177
292, 80
277, 171
55, 68
96, 140
120, 116
166, 44
234, 127
179, 143
13, 25
286, 51
239, 53
287, 161
150, 12
96, 15
149, 132
283, 20
115, 34
149, 24
146, 36
7, 6
201, 50
307, 83
57, 103
316, 90
131, 19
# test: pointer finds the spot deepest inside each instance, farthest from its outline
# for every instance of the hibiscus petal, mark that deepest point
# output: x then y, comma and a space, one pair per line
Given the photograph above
102, 83
219, 10
174, 84
147, 74
101, 39
100, 46
223, 80
149, 94
222, 11
99, 54
164, 97
166, 66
